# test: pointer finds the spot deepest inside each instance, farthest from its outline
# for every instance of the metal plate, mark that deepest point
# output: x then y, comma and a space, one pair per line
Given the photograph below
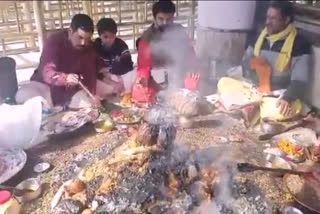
12, 161
304, 194
136, 117
69, 121
41, 167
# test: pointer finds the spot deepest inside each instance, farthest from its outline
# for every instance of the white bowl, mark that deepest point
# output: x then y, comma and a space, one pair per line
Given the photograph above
291, 210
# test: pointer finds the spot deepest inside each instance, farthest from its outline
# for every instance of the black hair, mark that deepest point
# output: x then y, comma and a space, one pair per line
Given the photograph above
286, 8
107, 24
163, 6
82, 21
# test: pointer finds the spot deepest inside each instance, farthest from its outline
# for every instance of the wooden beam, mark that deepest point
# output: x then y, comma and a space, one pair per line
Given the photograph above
40, 25
192, 19
3, 47
17, 17
87, 7
60, 14
29, 28
119, 11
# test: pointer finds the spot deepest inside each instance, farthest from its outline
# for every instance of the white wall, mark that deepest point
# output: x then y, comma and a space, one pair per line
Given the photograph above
314, 96
231, 15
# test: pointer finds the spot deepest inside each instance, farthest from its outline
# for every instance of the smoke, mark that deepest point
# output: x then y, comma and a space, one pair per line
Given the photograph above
222, 159
232, 192
223, 190
173, 48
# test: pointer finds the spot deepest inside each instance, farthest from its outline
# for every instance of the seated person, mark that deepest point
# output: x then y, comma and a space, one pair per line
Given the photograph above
279, 60
163, 44
8, 80
68, 57
113, 51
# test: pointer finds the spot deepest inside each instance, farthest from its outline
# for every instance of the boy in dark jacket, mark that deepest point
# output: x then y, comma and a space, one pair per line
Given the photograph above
112, 50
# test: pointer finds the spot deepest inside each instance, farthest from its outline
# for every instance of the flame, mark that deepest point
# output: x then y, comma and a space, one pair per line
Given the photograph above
106, 186
132, 143
173, 183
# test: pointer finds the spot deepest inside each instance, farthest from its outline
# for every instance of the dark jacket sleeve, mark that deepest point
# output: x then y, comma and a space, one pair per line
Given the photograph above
300, 71
296, 90
299, 78
123, 64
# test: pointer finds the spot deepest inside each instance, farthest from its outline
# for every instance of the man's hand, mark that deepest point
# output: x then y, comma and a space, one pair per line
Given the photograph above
284, 106
72, 79
121, 82
143, 81
191, 81
118, 88
105, 70
97, 101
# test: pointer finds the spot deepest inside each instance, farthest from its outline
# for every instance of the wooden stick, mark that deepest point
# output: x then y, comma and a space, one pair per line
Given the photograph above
87, 91
269, 136
246, 167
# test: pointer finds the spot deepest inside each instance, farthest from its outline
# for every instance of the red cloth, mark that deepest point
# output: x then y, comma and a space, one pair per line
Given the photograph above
4, 196
145, 60
58, 59
144, 93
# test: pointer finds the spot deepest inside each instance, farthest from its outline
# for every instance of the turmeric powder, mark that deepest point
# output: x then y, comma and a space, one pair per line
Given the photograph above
290, 148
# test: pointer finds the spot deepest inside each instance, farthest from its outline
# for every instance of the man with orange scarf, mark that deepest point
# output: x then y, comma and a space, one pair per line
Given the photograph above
279, 60
164, 44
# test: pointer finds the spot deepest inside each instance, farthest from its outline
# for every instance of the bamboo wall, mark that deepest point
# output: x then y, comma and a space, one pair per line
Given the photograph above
25, 24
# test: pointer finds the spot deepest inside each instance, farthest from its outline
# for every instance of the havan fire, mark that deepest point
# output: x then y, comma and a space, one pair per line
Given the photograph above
149, 173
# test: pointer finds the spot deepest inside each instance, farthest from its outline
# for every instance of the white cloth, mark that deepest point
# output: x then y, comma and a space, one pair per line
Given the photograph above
20, 124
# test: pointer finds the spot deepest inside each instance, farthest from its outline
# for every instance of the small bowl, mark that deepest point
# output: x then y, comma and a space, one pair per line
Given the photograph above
278, 162
295, 159
104, 126
271, 127
41, 167
291, 210
270, 157
34, 188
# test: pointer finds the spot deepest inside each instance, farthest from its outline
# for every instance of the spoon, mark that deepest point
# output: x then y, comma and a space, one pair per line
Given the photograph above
247, 167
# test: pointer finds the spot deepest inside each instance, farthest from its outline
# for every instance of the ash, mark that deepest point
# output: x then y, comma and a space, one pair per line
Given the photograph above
146, 193
172, 180
160, 114
86, 158
247, 199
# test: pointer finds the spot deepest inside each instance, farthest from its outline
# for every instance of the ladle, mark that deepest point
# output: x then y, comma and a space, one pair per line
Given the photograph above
247, 167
